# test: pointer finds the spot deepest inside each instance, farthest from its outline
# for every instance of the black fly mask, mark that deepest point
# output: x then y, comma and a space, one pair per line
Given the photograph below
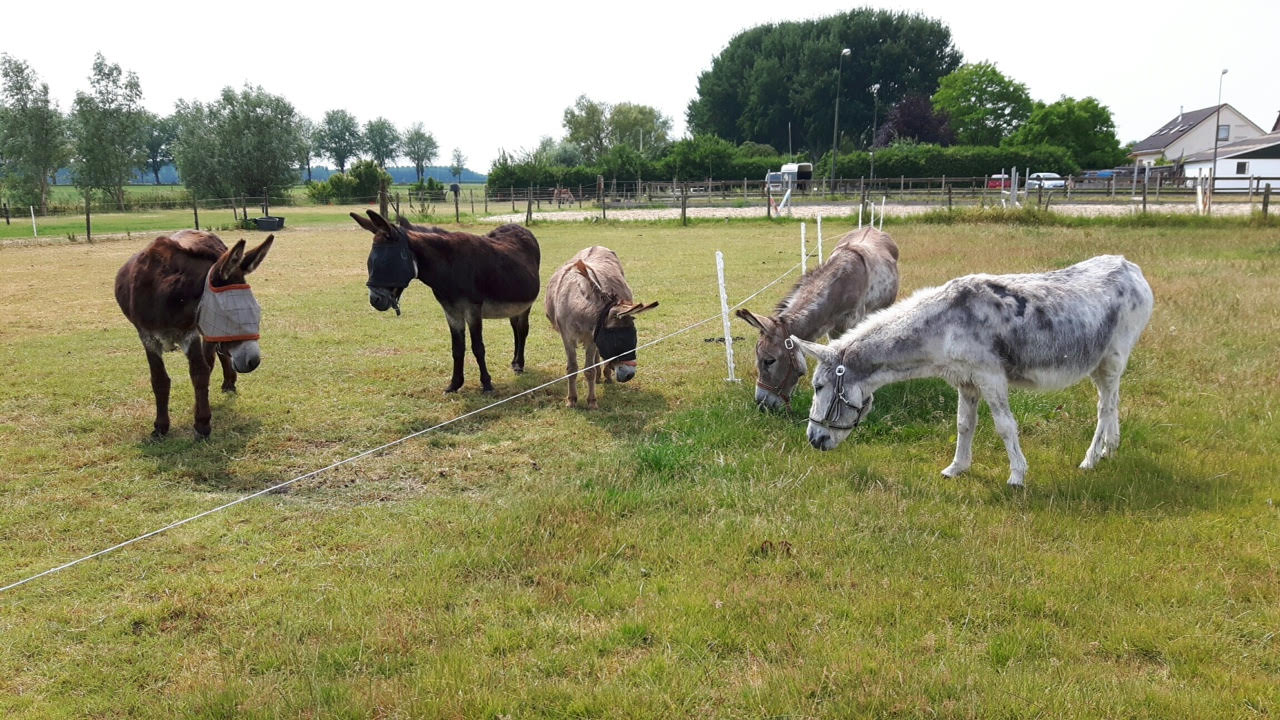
391, 269
617, 343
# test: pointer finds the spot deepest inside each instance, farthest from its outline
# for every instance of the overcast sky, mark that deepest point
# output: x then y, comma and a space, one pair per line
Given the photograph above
483, 76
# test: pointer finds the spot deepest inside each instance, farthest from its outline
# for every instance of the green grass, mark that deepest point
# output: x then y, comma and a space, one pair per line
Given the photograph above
675, 553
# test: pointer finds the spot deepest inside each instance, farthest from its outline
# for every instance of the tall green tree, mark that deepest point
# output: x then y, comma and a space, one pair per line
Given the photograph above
587, 125
108, 125
33, 135
1084, 127
458, 164
983, 105
239, 144
381, 140
778, 84
597, 127
339, 138
159, 134
307, 149
420, 147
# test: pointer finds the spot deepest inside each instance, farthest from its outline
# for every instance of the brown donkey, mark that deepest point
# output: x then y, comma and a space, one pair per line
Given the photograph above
187, 292
859, 277
495, 276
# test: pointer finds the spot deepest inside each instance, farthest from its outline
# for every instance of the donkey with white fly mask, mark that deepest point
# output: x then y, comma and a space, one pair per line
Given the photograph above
983, 334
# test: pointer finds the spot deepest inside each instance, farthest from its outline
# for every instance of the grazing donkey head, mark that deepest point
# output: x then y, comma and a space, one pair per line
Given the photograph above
840, 402
615, 328
228, 313
391, 263
779, 363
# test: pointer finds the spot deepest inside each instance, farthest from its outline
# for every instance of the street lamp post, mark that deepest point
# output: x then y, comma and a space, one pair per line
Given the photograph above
875, 110
1213, 166
835, 130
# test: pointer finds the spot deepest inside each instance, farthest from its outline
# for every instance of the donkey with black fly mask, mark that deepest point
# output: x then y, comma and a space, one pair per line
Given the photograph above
495, 276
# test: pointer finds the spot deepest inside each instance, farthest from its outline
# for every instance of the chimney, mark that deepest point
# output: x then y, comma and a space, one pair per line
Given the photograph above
1179, 114
1276, 126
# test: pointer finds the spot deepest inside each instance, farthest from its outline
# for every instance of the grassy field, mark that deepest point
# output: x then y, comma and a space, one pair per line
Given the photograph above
676, 553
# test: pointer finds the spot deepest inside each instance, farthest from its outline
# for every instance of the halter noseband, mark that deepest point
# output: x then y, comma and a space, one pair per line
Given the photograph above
828, 420
787, 379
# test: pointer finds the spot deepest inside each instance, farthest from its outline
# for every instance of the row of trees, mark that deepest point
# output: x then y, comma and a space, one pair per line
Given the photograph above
236, 144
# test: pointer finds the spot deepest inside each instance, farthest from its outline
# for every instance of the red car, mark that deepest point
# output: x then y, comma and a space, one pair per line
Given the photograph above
999, 181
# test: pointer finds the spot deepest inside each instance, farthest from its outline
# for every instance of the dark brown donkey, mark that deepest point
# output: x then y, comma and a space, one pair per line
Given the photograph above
187, 292
859, 277
495, 276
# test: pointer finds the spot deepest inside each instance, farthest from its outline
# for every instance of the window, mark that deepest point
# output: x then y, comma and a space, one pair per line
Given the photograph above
1224, 133
1242, 168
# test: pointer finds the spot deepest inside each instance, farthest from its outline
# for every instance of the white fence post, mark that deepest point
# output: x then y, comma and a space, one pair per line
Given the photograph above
724, 315
34, 233
820, 255
804, 250
883, 200
859, 216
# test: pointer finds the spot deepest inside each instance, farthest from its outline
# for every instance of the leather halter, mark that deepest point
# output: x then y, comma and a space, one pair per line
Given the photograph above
828, 419
792, 367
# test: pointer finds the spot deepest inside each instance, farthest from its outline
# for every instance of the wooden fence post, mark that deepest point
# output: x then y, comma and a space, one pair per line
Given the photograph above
1266, 200
684, 203
1144, 197
948, 198
528, 211
195, 210
471, 192
88, 228
6, 213
511, 189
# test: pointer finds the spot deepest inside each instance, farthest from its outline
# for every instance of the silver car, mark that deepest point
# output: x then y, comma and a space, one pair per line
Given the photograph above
1045, 180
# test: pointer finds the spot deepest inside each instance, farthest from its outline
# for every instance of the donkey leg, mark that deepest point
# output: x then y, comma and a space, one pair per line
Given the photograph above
200, 371
458, 338
159, 388
520, 327
966, 420
593, 357
996, 393
571, 369
228, 370
1106, 436
477, 348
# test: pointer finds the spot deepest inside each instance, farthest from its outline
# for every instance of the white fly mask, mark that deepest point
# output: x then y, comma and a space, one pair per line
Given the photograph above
228, 313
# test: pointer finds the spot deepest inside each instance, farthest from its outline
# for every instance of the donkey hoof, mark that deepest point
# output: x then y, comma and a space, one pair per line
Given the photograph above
453, 387
486, 389
229, 389
203, 433
953, 470
593, 405
571, 402
1016, 483
517, 367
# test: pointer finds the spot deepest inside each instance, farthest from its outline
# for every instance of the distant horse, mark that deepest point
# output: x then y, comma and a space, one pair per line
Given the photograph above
983, 334
859, 277
495, 276
187, 292
589, 303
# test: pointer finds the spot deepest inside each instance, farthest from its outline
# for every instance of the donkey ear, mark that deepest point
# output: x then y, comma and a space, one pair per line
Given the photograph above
254, 257
752, 319
817, 351
229, 262
586, 272
364, 223
636, 309
378, 221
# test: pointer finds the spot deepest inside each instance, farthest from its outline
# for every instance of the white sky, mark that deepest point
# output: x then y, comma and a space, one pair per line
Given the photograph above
486, 75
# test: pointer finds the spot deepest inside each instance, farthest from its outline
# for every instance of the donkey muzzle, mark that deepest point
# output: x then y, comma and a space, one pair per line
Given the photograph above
245, 357
624, 370
383, 299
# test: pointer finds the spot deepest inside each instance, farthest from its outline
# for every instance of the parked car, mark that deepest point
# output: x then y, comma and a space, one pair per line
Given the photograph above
999, 181
1045, 180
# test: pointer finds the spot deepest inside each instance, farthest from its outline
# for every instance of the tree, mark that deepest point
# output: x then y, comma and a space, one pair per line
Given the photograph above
984, 106
241, 143
913, 118
108, 125
381, 140
159, 134
420, 147
458, 164
773, 81
339, 138
1084, 127
699, 157
33, 134
587, 126
640, 127
307, 149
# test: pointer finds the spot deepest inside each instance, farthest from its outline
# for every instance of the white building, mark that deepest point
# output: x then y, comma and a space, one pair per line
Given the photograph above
1252, 161
1191, 132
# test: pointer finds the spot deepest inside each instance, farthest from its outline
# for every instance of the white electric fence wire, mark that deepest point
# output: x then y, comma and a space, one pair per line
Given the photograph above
380, 448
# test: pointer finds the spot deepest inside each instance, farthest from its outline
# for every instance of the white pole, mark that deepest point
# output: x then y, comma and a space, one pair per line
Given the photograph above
873, 213
884, 199
859, 216
804, 250
33, 221
820, 255
724, 315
